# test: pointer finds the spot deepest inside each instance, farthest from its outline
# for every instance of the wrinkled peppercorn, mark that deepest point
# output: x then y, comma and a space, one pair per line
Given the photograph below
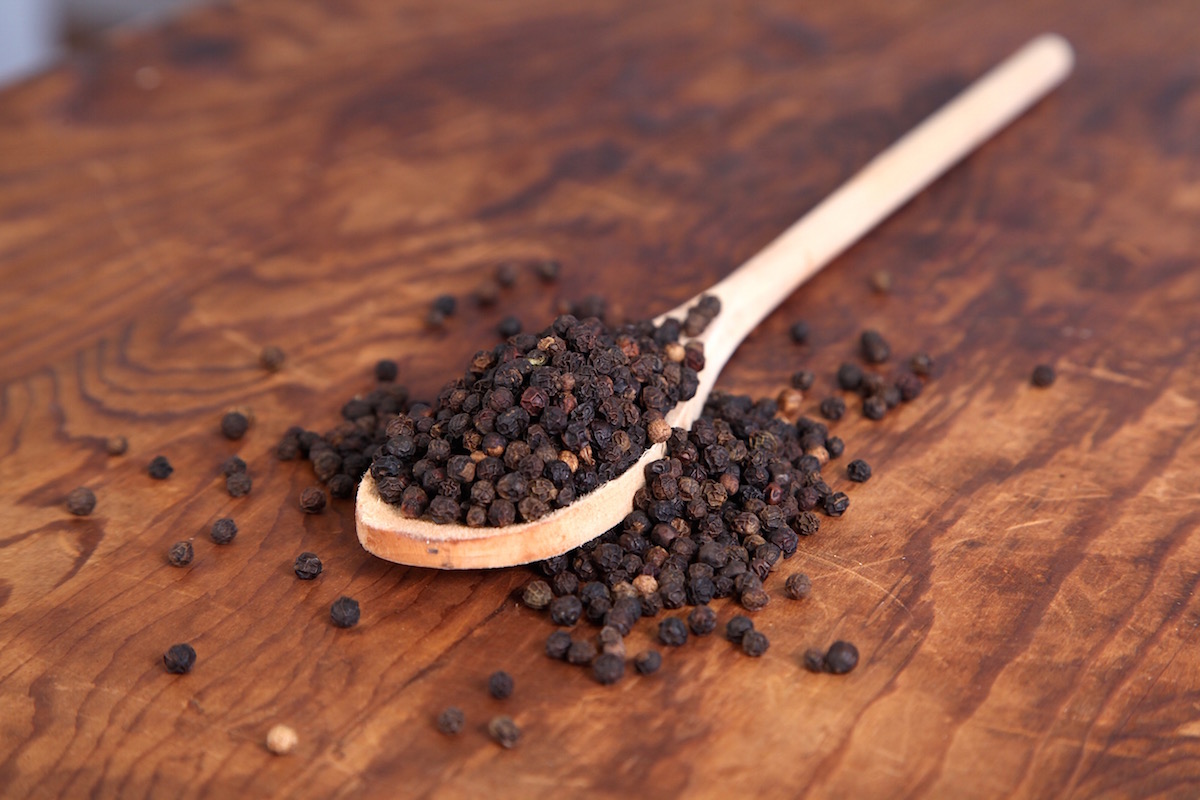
798, 586
1043, 375
833, 408
160, 469
836, 504
841, 658
232, 466
180, 554
803, 380
312, 500
81, 502
271, 358
702, 620
858, 471
566, 610
500, 685
180, 658
223, 530
875, 348
737, 627
608, 668
451, 721
875, 408
581, 652
234, 425
504, 731
814, 660
344, 612
238, 484
307, 566
537, 595
755, 643
557, 644
672, 632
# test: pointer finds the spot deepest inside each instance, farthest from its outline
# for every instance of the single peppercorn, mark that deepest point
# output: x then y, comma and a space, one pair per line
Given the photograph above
386, 370
509, 326
486, 294
312, 500
81, 502
504, 731
445, 304
921, 364
1043, 375
799, 332
875, 408
702, 620
435, 319
814, 660
834, 446
755, 643
500, 685
875, 348
271, 358
307, 566
160, 469
881, 281
798, 586
537, 595
581, 652
835, 504
116, 445
858, 471
557, 644
282, 740
647, 662
833, 408
451, 721
223, 530
737, 627
234, 425
238, 484
548, 270
803, 380
672, 632
566, 610
344, 612
179, 659
506, 274
180, 554
841, 658
233, 465
608, 668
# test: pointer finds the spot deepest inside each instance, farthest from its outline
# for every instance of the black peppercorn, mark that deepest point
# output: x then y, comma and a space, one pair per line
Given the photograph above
160, 469
232, 466
702, 620
180, 658
234, 425
672, 632
798, 586
509, 326
451, 721
500, 685
875, 348
833, 408
835, 446
1043, 375
608, 668
841, 658
799, 332
506, 274
875, 408
445, 304
858, 471
386, 370
814, 660
307, 566
548, 270
803, 380
755, 643
566, 610
557, 644
271, 358
835, 504
312, 500
180, 554
504, 731
737, 627
849, 376
223, 530
81, 502
344, 612
581, 652
238, 484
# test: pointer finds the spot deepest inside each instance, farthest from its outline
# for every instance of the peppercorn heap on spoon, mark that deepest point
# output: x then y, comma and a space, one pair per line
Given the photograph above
747, 296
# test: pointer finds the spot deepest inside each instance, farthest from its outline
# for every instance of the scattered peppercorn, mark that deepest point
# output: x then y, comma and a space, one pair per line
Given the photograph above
875, 408
435, 319
881, 281
179, 659
386, 370
557, 644
702, 620
834, 446
798, 586
232, 466
755, 643
537, 595
581, 652
180, 554
504, 731
814, 660
160, 469
647, 662
116, 445
875, 348
1043, 375
312, 500
445, 304
344, 612
799, 332
223, 530
841, 658
921, 364
608, 668
486, 294
509, 326
282, 740
833, 408
803, 380
451, 721
835, 504
234, 425
858, 471
737, 627
500, 685
548, 270
506, 274
81, 501
238, 484
672, 632
271, 358
307, 566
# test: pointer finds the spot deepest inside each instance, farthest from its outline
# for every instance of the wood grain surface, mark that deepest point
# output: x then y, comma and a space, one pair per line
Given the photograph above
1020, 575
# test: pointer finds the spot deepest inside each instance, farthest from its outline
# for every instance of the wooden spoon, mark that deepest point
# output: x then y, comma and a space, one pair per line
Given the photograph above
747, 296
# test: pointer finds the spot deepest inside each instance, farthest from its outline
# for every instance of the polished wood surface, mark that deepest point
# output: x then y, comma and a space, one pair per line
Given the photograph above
1020, 575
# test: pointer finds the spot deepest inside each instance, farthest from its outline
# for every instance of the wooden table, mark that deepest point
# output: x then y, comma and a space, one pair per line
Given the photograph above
1020, 576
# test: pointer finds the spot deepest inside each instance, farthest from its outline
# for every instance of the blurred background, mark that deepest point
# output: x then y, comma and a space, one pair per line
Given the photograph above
33, 33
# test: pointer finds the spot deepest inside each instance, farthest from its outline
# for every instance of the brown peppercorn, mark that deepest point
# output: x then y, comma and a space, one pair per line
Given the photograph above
504, 731
881, 281
755, 599
798, 586
921, 364
312, 500
282, 740
81, 502
537, 595
790, 402
506, 274
1043, 376
180, 554
116, 445
271, 358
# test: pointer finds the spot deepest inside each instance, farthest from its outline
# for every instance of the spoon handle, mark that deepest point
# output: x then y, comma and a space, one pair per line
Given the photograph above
755, 289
